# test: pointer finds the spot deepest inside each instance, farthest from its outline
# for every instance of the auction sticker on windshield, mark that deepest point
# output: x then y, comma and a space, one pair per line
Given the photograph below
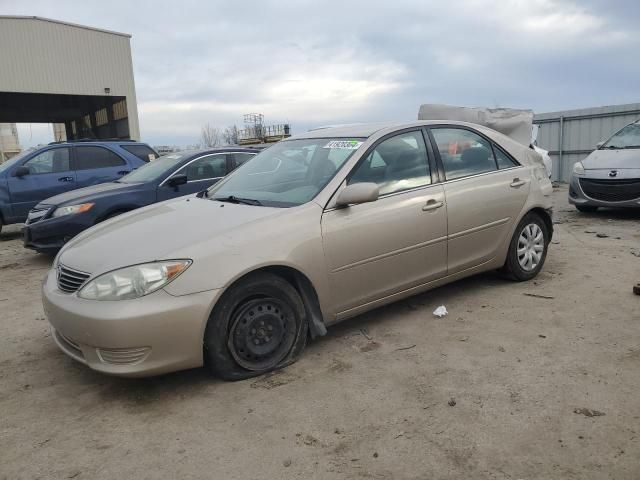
344, 144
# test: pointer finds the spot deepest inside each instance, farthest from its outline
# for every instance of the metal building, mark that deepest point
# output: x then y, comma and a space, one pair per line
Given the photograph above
59, 72
573, 134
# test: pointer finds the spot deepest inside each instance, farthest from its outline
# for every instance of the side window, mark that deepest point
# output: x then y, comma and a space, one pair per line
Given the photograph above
211, 166
88, 158
463, 152
240, 158
396, 164
51, 161
503, 160
143, 152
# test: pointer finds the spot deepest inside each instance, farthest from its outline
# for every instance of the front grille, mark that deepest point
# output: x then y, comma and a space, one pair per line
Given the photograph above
37, 214
70, 280
619, 190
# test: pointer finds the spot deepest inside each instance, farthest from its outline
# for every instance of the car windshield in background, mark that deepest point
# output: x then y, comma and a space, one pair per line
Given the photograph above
628, 137
153, 170
287, 174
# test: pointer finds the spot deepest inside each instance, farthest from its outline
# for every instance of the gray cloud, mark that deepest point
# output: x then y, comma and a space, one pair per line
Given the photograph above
310, 62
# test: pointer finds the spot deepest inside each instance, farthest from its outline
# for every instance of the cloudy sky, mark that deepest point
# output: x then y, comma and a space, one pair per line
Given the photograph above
313, 62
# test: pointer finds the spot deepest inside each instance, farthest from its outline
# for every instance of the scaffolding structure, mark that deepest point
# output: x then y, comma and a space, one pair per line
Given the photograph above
256, 132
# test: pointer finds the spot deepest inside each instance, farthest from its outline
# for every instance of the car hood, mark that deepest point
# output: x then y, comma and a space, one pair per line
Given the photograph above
166, 230
89, 194
608, 159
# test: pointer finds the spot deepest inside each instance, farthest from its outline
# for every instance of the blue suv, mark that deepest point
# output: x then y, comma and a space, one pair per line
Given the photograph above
32, 176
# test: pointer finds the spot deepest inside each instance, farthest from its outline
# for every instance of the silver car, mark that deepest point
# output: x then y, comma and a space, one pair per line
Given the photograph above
609, 176
313, 230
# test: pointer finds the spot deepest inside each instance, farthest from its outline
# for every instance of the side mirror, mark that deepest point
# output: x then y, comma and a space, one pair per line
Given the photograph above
177, 180
21, 171
599, 145
358, 193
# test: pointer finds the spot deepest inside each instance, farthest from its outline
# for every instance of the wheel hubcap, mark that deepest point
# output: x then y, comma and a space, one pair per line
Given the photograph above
530, 247
262, 333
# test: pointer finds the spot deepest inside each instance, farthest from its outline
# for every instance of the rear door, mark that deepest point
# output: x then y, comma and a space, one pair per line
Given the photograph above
485, 190
202, 172
95, 164
50, 174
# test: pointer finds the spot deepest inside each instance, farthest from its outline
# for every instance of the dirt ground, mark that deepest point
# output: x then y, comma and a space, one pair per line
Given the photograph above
490, 391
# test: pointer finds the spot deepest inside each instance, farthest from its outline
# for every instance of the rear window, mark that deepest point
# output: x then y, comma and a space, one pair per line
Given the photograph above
141, 151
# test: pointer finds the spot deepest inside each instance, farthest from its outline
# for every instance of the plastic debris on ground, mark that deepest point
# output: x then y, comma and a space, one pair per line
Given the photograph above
441, 311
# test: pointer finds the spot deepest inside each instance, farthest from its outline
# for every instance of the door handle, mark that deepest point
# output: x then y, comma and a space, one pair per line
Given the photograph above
123, 172
65, 179
517, 183
432, 205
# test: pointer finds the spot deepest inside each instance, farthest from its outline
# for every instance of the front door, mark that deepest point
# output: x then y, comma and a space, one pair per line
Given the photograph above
399, 241
50, 174
485, 190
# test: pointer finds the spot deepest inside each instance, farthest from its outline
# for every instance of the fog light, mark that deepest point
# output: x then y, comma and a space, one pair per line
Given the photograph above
123, 356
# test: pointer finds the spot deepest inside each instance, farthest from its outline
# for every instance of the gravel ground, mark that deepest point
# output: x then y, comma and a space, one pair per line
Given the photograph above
509, 385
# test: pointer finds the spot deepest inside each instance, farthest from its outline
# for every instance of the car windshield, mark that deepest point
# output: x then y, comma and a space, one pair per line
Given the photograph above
13, 160
153, 170
628, 137
288, 173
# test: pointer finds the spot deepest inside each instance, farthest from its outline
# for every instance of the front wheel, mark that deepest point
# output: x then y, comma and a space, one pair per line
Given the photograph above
528, 248
257, 326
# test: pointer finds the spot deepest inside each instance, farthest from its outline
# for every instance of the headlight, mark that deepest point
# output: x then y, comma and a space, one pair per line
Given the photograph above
133, 282
72, 209
578, 168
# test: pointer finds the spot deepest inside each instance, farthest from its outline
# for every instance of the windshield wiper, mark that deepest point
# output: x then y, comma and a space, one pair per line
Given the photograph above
234, 199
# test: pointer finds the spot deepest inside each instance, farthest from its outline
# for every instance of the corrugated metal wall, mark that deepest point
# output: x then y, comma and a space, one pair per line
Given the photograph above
573, 134
45, 56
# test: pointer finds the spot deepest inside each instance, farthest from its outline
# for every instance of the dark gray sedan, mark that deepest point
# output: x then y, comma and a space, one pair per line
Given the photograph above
610, 175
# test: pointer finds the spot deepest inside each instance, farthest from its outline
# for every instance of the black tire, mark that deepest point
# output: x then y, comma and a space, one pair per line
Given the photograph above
258, 325
586, 208
512, 266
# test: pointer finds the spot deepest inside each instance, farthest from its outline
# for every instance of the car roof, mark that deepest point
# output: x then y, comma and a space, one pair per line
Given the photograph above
365, 130
101, 143
205, 151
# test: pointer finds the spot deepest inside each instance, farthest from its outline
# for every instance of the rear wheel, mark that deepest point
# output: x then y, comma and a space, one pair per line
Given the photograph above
528, 248
586, 208
257, 326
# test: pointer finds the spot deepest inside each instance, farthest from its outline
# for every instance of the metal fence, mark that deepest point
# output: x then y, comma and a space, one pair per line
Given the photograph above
573, 134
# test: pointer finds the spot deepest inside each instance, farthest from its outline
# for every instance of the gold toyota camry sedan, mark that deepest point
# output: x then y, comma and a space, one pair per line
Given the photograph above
313, 230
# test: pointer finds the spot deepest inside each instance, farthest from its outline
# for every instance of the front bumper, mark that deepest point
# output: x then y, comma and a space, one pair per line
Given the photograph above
577, 196
50, 234
151, 335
